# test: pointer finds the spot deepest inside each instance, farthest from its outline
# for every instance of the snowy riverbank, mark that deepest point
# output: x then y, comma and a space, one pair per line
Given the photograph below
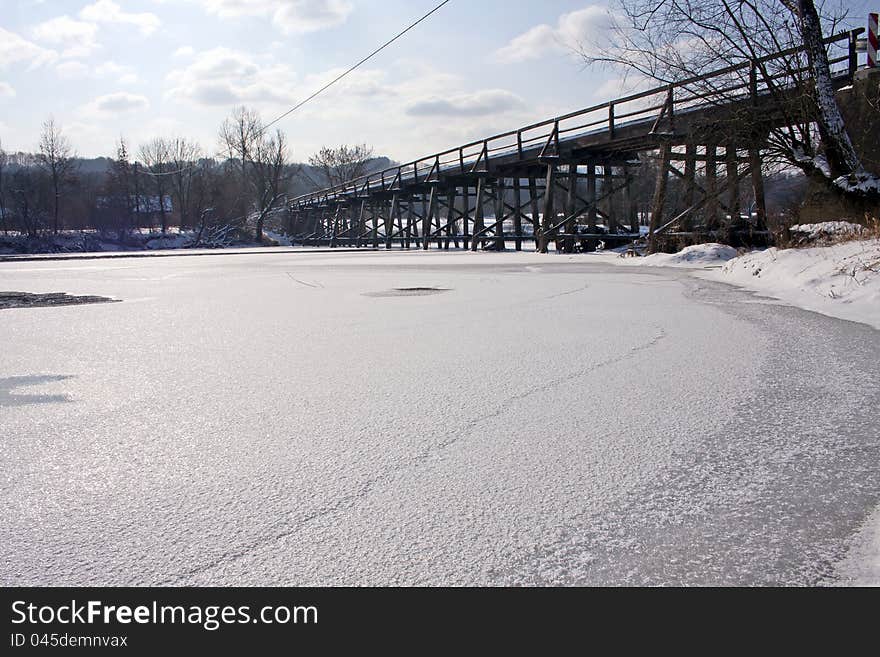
840, 279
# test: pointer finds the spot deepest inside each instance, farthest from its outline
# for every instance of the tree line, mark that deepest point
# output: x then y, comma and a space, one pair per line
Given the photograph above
168, 183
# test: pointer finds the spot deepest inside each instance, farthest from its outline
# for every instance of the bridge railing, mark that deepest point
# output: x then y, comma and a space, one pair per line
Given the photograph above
766, 75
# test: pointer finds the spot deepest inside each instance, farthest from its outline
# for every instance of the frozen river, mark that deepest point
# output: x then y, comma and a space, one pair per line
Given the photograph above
289, 419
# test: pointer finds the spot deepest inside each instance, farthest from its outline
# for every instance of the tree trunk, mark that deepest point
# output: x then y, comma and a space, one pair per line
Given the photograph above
842, 157
57, 198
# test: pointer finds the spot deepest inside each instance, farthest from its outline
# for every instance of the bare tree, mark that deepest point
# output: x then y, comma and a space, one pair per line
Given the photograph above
118, 199
184, 156
270, 176
56, 158
239, 135
673, 40
342, 164
156, 156
3, 161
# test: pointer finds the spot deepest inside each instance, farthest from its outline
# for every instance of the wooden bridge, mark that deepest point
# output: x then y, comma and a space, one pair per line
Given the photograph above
569, 179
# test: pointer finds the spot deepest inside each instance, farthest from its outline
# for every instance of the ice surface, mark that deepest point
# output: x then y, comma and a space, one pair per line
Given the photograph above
261, 419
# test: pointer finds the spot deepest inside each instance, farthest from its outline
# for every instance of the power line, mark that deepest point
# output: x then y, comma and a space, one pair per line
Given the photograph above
356, 66
329, 84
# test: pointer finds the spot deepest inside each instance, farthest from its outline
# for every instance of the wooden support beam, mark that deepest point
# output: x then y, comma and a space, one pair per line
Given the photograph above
570, 206
375, 216
414, 222
758, 187
361, 222
608, 193
394, 219
711, 186
407, 230
478, 211
690, 182
436, 221
517, 214
632, 213
536, 215
465, 214
733, 189
500, 244
451, 230
549, 213
659, 195
429, 213
591, 196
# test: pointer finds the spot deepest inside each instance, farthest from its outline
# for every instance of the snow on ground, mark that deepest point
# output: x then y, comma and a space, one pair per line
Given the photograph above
696, 256
825, 231
841, 280
544, 421
861, 567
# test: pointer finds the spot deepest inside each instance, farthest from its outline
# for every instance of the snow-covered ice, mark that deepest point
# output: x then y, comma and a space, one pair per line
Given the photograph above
270, 419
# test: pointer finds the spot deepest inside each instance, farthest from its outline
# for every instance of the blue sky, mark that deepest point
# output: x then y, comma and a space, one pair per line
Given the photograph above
145, 68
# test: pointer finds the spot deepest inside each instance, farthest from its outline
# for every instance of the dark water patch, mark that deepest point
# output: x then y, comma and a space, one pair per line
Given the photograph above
8, 398
408, 292
29, 300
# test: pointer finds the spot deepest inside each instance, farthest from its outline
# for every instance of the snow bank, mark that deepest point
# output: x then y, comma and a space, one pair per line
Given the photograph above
825, 231
696, 256
861, 567
842, 280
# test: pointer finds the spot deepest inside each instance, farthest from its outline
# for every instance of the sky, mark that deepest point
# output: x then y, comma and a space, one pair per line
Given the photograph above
146, 68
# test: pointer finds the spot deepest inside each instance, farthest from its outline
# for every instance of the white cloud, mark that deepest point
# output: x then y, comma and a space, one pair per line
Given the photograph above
6, 90
77, 38
123, 74
578, 28
289, 16
72, 70
14, 49
481, 103
185, 51
115, 104
107, 11
223, 76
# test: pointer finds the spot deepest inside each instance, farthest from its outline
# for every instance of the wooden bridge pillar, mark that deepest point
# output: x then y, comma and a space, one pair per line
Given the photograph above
608, 193
414, 222
592, 196
732, 183
632, 215
758, 186
394, 221
478, 212
711, 186
659, 195
451, 230
517, 214
465, 214
533, 202
429, 215
374, 215
570, 209
690, 184
500, 243
549, 184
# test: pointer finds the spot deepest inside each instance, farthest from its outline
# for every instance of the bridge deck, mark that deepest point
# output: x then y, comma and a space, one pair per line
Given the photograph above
687, 111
